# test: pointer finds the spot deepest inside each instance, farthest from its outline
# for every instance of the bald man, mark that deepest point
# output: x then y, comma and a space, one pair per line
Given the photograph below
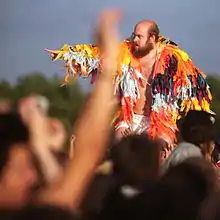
144, 38
146, 49
157, 84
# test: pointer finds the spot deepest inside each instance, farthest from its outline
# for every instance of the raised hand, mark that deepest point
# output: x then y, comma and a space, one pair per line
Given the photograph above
108, 39
90, 146
46, 134
48, 131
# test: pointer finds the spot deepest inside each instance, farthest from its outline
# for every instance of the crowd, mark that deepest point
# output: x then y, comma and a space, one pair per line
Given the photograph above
135, 178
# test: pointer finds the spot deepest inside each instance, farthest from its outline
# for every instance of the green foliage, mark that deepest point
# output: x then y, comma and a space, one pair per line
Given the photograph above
65, 102
214, 83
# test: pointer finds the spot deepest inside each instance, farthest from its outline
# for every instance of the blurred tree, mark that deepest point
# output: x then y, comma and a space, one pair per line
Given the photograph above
6, 90
65, 102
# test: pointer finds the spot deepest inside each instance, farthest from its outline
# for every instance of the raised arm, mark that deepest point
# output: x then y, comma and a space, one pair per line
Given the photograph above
95, 119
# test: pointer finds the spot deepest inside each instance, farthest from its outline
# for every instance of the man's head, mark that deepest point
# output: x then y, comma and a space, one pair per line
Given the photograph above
136, 160
144, 38
197, 127
184, 188
17, 171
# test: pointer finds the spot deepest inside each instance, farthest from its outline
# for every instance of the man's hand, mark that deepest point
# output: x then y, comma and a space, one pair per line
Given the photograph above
166, 150
127, 132
45, 134
53, 53
107, 36
5, 106
123, 132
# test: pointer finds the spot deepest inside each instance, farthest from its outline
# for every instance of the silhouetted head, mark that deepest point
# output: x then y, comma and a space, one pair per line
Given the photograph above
136, 160
144, 38
198, 128
181, 191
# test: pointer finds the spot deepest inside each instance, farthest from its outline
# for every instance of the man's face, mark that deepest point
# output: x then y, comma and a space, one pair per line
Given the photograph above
141, 42
19, 175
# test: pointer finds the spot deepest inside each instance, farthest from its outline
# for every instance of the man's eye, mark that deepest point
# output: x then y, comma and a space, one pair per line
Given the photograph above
132, 37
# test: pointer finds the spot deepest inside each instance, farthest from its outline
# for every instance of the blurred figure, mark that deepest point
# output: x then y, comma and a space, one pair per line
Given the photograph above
136, 161
165, 152
198, 139
17, 171
136, 169
216, 154
64, 195
180, 193
99, 189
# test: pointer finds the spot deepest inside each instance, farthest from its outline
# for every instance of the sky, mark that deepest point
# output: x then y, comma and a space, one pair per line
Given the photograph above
29, 26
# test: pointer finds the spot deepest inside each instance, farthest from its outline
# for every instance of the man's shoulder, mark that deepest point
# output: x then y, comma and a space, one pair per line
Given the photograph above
173, 49
186, 146
167, 41
183, 151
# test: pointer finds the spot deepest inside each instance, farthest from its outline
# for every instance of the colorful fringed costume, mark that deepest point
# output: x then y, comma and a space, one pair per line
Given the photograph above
177, 85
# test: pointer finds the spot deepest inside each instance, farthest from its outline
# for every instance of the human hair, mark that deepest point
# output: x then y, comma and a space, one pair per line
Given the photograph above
154, 31
197, 127
136, 160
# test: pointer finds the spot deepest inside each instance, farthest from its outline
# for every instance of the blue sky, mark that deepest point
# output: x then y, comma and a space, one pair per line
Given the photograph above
29, 26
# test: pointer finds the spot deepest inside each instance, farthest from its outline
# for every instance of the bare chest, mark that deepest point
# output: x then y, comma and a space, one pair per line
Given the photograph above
143, 104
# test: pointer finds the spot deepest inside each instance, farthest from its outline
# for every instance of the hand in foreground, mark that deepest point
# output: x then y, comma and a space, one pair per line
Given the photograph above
95, 118
108, 39
46, 134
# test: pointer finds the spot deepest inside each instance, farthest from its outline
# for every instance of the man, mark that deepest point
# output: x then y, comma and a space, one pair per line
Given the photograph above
156, 81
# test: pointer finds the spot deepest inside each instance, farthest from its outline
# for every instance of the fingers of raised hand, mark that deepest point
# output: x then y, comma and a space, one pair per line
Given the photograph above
106, 29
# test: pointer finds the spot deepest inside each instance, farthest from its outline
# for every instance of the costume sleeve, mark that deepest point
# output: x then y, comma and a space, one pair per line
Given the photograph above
190, 85
81, 60
178, 87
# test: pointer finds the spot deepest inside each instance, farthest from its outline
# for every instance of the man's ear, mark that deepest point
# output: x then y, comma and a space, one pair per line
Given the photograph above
153, 38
